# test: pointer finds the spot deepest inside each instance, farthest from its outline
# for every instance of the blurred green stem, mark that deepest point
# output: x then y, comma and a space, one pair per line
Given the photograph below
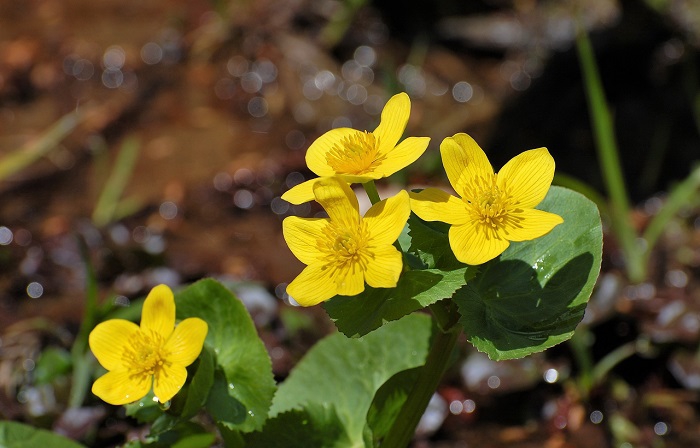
107, 204
444, 342
606, 146
681, 195
582, 354
82, 362
38, 148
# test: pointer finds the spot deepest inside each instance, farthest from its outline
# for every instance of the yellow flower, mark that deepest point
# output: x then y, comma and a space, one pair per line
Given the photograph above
358, 156
345, 250
494, 209
153, 353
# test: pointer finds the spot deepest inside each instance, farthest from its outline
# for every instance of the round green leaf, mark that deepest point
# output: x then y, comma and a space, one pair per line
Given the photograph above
533, 295
345, 374
244, 371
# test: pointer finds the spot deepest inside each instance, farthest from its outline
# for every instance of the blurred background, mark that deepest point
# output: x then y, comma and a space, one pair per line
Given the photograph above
146, 142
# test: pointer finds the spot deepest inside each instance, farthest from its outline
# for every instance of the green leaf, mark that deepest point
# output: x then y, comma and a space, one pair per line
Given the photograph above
533, 296
388, 402
204, 440
53, 363
316, 425
346, 373
430, 243
18, 435
243, 368
198, 389
145, 410
369, 310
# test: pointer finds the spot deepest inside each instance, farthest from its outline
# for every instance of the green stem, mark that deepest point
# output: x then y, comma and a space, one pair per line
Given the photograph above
404, 427
81, 363
584, 361
606, 147
372, 192
680, 197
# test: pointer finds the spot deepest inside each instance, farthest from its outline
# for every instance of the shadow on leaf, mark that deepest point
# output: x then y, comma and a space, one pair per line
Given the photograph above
508, 314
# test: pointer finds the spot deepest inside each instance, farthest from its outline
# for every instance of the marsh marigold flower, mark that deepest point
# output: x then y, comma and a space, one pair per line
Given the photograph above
345, 250
361, 156
154, 354
493, 209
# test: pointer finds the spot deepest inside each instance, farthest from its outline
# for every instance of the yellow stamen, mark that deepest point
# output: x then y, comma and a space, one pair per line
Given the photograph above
144, 353
490, 206
357, 154
345, 246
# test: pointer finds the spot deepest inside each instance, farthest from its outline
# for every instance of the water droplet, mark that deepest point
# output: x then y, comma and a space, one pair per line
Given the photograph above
596, 417
141, 404
494, 382
243, 199
151, 53
165, 406
251, 413
560, 421
660, 429
462, 91
35, 290
231, 386
551, 376
5, 236
168, 210
114, 57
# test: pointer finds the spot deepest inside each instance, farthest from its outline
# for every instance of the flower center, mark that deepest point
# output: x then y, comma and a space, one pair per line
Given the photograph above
345, 245
357, 153
488, 205
144, 353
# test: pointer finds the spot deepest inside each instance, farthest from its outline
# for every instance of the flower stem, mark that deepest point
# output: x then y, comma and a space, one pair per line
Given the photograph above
606, 145
404, 427
372, 192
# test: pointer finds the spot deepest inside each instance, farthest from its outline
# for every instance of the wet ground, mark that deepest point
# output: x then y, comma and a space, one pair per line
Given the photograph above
207, 109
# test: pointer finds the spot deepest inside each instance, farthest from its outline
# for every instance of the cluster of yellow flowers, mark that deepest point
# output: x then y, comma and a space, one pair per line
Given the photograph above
345, 250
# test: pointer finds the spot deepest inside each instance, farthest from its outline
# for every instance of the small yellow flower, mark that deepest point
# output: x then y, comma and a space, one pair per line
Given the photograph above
494, 209
345, 250
152, 354
357, 156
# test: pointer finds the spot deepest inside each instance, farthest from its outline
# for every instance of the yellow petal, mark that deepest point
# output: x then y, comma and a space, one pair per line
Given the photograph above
186, 342
303, 192
350, 280
159, 311
527, 177
404, 154
168, 381
465, 162
386, 219
302, 236
529, 224
393, 122
317, 154
472, 245
108, 340
338, 200
357, 179
121, 387
433, 204
314, 285
384, 269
